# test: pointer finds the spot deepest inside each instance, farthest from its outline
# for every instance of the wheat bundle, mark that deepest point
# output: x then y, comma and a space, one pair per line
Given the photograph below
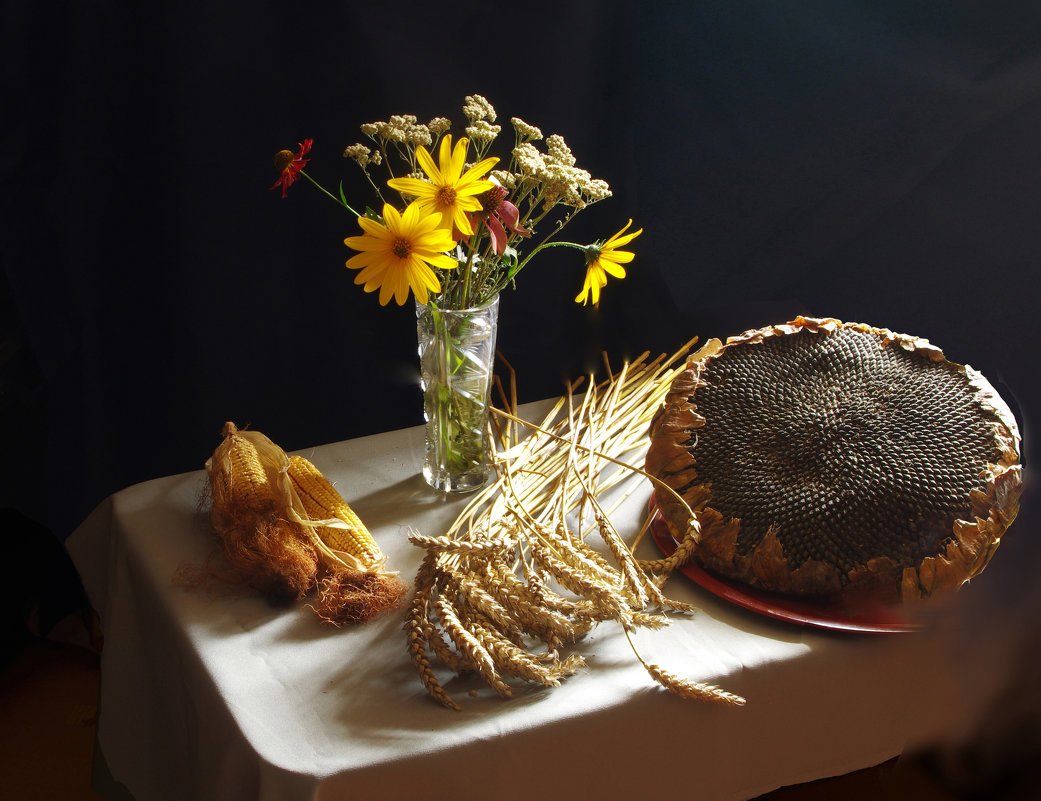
517, 579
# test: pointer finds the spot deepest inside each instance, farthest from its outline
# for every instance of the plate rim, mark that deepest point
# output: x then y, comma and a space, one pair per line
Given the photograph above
804, 612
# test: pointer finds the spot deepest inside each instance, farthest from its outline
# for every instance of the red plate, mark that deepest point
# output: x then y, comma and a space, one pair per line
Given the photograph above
818, 613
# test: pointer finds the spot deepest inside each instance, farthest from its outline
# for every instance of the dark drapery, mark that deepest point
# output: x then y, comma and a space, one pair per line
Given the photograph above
872, 161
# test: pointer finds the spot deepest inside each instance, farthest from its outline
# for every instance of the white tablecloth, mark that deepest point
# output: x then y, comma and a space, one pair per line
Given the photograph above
220, 696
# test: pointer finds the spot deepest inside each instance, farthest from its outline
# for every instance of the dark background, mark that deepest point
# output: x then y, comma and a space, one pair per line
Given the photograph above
875, 161
871, 161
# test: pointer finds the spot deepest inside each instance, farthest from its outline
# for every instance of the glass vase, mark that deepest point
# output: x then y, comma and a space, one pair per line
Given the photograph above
456, 356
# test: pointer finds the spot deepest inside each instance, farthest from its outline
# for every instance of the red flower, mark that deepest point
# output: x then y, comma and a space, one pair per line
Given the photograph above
289, 165
496, 210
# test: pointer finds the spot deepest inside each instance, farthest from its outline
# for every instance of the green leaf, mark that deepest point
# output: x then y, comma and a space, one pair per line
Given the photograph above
512, 259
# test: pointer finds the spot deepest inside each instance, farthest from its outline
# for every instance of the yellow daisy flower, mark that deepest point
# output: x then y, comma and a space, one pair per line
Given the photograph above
397, 254
603, 259
450, 192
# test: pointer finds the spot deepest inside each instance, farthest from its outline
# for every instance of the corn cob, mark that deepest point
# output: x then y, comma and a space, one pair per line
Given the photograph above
243, 476
321, 501
263, 548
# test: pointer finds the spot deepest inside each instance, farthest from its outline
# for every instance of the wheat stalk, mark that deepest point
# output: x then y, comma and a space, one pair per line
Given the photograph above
514, 580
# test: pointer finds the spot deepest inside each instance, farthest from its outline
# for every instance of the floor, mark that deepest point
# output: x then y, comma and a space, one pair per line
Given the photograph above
48, 713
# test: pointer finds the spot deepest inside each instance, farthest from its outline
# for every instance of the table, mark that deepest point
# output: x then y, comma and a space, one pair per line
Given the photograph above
216, 695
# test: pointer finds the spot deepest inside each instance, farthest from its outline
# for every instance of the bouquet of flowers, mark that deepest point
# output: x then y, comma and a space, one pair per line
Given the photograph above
456, 231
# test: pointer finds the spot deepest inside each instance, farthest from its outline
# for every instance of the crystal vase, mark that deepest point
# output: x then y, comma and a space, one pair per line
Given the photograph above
456, 356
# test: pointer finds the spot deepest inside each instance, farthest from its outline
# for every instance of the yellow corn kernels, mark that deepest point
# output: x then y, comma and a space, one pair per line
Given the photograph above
244, 477
322, 502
